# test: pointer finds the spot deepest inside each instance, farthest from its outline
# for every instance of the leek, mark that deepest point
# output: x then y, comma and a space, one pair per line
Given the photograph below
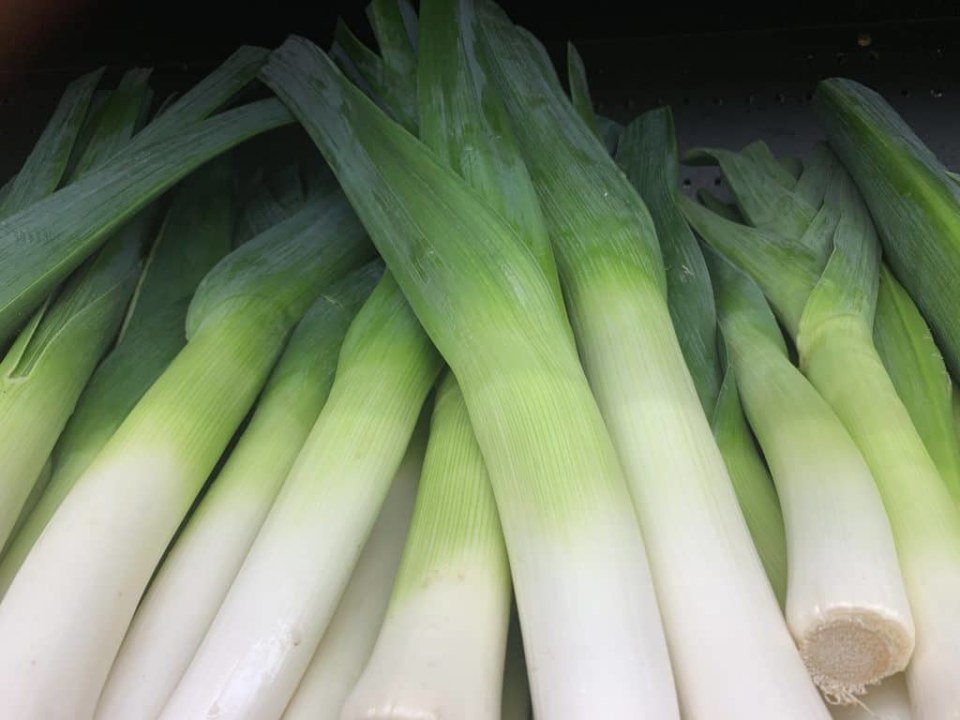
648, 155
441, 648
44, 242
915, 366
65, 613
51, 360
454, 583
349, 639
194, 235
913, 200
853, 628
286, 591
752, 482
39, 487
822, 284
589, 617
195, 576
703, 561
45, 370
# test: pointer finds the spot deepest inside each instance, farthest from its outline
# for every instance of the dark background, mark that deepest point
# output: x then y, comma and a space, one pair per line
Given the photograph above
51, 35
732, 71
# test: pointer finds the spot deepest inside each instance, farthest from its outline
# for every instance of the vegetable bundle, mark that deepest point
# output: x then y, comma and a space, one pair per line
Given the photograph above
419, 390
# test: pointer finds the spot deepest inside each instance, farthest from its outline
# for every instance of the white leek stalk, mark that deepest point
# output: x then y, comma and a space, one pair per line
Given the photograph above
285, 593
197, 572
349, 639
64, 615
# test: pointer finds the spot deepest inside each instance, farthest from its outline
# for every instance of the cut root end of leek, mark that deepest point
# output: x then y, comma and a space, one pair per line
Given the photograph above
853, 648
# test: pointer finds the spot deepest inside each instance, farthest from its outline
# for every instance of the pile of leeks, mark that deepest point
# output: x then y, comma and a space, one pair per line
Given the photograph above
416, 389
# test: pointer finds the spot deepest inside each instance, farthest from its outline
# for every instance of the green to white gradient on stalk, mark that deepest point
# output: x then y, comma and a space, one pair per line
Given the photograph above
590, 621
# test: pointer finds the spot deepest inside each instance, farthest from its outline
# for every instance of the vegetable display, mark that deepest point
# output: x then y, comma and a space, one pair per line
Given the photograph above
392, 381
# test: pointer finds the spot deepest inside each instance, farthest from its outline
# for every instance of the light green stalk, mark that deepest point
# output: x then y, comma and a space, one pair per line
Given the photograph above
752, 482
443, 639
303, 556
45, 166
39, 487
913, 200
44, 242
98, 552
915, 365
350, 637
195, 576
485, 302
823, 286
702, 558
195, 234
